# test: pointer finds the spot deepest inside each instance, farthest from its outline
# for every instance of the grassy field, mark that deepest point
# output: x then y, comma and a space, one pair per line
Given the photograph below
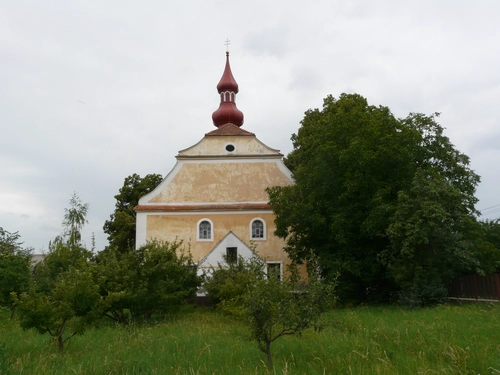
449, 339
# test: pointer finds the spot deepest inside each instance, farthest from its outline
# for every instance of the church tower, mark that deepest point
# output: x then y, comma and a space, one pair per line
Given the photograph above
214, 198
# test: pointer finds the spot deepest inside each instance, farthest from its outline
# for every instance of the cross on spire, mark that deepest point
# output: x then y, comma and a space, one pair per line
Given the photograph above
227, 43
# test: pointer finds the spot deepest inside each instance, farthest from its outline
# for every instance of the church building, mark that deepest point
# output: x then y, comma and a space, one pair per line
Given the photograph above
214, 198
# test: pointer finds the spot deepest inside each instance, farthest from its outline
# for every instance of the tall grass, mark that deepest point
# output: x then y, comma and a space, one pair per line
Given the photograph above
368, 340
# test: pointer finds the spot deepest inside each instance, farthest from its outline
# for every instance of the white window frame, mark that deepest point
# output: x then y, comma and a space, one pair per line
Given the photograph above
211, 230
264, 229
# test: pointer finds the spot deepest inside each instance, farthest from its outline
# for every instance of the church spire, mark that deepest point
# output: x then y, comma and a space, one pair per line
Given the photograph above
227, 88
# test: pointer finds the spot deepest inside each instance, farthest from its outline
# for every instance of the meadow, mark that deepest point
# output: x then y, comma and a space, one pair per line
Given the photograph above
448, 339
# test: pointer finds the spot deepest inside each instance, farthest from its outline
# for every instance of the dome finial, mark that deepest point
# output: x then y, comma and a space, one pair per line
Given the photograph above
227, 88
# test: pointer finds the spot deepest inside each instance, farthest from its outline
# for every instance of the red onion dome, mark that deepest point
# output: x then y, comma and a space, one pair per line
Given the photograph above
227, 88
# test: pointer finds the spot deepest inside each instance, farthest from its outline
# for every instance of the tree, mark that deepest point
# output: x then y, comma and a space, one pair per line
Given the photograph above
121, 225
63, 295
66, 250
272, 307
430, 239
356, 167
69, 306
157, 277
489, 251
275, 308
15, 267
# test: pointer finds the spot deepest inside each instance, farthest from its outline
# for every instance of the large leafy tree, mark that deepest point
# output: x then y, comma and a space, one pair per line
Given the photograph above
360, 175
15, 267
121, 225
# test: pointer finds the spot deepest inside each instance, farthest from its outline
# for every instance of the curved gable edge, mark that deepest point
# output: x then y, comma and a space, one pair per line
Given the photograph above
157, 191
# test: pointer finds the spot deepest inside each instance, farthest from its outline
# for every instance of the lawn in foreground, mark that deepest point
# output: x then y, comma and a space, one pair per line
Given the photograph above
449, 339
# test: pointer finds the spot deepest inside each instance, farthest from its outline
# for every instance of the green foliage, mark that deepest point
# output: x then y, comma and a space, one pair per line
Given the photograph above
276, 308
63, 295
75, 217
423, 294
67, 250
157, 277
70, 305
272, 307
15, 267
430, 238
489, 250
121, 225
381, 200
230, 281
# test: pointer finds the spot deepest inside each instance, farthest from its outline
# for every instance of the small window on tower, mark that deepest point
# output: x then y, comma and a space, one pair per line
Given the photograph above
231, 254
230, 148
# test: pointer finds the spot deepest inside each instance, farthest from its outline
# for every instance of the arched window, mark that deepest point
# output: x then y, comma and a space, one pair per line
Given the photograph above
205, 230
258, 229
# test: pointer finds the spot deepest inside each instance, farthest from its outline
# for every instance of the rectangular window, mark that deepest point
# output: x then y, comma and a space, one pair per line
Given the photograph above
231, 254
274, 269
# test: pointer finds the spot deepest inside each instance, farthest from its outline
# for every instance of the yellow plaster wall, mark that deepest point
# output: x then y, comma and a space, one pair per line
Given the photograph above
184, 227
222, 182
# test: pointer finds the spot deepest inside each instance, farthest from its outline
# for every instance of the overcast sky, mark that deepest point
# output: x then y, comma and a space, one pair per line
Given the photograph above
94, 91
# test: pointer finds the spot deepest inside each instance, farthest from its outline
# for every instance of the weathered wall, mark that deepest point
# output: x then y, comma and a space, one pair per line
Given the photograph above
222, 182
184, 227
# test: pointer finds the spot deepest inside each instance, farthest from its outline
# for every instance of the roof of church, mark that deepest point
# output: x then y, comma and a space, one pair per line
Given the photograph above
229, 129
227, 88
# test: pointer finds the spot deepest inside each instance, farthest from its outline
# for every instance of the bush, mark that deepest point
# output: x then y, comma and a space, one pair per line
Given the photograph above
423, 295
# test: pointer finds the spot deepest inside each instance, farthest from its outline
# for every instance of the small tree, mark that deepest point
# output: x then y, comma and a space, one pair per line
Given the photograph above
63, 293
70, 305
68, 249
15, 268
277, 308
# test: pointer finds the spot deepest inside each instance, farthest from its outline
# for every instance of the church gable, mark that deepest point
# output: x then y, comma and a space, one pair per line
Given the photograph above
230, 248
228, 146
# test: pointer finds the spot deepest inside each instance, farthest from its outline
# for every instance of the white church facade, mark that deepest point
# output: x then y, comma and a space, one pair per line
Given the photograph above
214, 198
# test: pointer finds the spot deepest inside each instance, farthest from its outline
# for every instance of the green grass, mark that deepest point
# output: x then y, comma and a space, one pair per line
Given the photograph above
449, 339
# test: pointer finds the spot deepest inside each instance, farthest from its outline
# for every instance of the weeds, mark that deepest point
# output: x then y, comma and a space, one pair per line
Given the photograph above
365, 340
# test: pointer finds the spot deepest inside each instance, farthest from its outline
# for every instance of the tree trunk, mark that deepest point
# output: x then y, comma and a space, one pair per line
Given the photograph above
60, 342
269, 358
